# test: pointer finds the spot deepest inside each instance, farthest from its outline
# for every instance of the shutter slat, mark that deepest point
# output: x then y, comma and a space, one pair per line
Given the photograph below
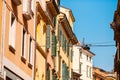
48, 37
53, 45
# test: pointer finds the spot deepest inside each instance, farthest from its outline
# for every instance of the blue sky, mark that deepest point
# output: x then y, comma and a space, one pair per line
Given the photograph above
92, 22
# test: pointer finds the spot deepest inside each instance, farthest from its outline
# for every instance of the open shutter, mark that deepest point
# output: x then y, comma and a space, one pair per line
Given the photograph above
53, 45
48, 37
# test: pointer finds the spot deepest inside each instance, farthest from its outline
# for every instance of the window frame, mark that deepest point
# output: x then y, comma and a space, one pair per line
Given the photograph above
30, 52
23, 44
12, 32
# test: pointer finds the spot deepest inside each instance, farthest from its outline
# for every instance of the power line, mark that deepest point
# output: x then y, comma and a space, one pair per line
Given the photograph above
100, 45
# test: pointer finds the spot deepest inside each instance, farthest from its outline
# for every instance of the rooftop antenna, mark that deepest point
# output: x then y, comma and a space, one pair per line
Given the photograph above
83, 42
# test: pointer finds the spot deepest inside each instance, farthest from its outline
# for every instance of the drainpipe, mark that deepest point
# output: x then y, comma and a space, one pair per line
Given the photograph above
3, 36
35, 19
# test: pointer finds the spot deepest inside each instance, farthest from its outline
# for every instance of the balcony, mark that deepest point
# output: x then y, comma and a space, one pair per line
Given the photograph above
52, 6
17, 2
27, 9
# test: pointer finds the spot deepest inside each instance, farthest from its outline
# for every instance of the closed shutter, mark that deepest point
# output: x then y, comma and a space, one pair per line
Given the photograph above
48, 37
53, 45
48, 74
54, 77
63, 71
71, 54
67, 49
59, 34
54, 20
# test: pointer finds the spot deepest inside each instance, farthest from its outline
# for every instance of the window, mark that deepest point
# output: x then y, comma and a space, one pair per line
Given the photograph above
90, 59
80, 68
87, 71
12, 32
87, 57
90, 72
80, 54
31, 51
24, 43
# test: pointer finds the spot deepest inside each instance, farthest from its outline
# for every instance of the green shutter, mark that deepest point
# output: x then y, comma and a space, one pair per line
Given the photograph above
54, 21
54, 42
71, 73
71, 55
48, 74
63, 71
48, 37
65, 45
59, 34
67, 49
54, 77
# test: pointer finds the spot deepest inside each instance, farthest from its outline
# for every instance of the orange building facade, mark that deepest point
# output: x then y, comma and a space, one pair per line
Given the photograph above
100, 74
18, 39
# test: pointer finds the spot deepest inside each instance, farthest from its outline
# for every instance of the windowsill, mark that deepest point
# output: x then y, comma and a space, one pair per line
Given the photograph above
23, 59
12, 49
30, 65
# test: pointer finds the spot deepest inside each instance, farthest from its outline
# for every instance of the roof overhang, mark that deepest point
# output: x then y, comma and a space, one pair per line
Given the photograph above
52, 5
42, 12
66, 26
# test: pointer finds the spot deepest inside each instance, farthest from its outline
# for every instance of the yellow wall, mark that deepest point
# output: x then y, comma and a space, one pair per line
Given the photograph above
40, 66
40, 51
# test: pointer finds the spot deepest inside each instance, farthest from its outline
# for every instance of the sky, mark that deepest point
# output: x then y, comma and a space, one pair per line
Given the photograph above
92, 22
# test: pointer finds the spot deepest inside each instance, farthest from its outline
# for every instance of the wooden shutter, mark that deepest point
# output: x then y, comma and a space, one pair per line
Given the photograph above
48, 37
67, 49
54, 21
48, 74
53, 45
54, 77
63, 71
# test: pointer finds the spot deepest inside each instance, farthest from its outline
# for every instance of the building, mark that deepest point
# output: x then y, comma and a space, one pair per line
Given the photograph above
65, 41
100, 74
1, 19
18, 39
115, 26
76, 62
46, 10
86, 63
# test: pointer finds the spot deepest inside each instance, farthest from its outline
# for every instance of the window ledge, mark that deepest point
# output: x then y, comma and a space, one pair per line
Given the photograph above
12, 49
23, 59
30, 65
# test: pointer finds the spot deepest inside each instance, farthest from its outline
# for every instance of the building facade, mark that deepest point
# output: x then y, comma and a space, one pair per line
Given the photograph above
36, 40
18, 39
86, 63
46, 12
1, 65
116, 27
76, 62
65, 40
100, 74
